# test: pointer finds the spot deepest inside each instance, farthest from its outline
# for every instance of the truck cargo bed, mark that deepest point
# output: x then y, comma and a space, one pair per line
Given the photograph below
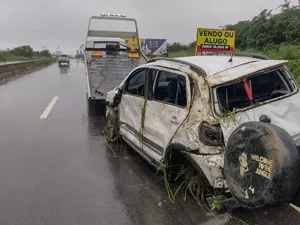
106, 72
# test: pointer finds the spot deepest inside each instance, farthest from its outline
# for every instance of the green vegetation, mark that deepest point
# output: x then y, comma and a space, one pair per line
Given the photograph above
23, 53
268, 30
287, 52
185, 181
178, 50
274, 35
181, 53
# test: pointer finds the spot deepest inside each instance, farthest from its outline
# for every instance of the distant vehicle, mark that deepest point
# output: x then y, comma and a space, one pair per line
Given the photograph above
235, 120
64, 60
107, 58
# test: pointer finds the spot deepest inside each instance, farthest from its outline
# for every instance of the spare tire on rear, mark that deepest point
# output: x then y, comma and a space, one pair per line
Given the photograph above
262, 166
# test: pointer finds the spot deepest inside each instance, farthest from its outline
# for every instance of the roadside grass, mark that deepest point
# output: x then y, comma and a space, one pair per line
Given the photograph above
189, 52
8, 57
286, 52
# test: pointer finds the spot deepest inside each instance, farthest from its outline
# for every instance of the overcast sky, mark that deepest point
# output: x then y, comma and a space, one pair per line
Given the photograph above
64, 23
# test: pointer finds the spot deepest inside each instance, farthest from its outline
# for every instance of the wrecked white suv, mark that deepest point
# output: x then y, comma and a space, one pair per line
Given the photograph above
236, 120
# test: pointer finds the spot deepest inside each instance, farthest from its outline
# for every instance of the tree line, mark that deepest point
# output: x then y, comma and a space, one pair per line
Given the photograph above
28, 52
268, 29
265, 30
273, 34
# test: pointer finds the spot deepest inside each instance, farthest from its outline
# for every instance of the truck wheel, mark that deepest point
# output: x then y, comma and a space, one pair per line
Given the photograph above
261, 166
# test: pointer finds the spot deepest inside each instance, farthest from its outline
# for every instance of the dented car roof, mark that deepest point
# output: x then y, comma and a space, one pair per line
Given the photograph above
219, 70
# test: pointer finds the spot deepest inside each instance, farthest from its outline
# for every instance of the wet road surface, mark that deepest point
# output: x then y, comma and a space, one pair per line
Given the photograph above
58, 168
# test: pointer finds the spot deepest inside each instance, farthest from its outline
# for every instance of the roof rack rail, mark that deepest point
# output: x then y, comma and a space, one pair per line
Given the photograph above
194, 67
249, 54
253, 55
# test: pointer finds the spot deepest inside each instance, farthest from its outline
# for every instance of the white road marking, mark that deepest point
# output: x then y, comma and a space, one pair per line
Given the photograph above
49, 108
295, 207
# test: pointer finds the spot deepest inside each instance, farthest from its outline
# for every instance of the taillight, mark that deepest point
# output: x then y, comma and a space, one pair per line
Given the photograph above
210, 134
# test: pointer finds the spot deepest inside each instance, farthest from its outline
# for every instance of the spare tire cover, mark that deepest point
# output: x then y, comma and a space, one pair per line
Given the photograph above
261, 165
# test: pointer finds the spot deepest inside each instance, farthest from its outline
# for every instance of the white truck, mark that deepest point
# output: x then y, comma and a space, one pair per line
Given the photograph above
108, 59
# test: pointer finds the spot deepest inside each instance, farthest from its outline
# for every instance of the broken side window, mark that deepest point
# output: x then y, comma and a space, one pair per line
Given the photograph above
256, 88
136, 83
171, 88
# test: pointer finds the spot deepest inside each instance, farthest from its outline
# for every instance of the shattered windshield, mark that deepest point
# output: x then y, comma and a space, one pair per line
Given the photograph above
257, 88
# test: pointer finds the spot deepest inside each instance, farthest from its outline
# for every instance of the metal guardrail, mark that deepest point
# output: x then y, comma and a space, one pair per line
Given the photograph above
20, 62
9, 63
16, 62
16, 67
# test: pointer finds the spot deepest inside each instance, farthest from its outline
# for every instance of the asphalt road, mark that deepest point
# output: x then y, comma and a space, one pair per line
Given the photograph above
56, 167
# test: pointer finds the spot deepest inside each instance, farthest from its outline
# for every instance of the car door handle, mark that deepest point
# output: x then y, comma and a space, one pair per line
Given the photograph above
174, 120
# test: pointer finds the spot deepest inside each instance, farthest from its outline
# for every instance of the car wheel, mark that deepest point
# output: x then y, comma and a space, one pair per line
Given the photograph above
111, 126
261, 166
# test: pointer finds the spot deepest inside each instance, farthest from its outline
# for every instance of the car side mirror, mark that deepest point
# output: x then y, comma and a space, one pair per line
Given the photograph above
117, 97
120, 90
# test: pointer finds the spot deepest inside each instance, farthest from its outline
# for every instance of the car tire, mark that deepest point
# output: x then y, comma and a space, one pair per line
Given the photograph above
111, 126
261, 166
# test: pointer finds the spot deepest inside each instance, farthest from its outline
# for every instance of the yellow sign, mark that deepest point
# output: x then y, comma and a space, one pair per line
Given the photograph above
133, 43
215, 40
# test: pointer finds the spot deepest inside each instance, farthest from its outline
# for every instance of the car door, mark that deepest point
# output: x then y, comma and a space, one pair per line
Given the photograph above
130, 107
165, 110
